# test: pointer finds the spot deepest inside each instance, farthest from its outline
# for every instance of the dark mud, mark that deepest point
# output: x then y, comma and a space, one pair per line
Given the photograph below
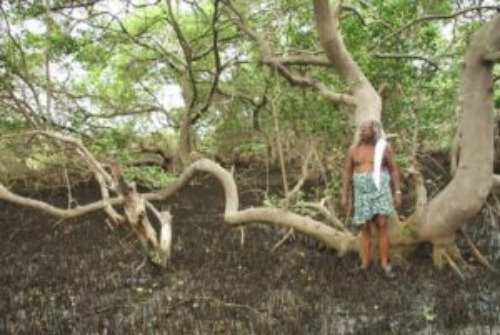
81, 277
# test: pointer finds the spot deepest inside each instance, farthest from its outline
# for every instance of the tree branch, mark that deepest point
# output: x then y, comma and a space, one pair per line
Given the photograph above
279, 63
368, 102
465, 195
73, 4
438, 17
217, 61
187, 52
303, 59
408, 56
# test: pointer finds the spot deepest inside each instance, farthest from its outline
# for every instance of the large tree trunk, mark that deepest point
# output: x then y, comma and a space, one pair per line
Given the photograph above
468, 190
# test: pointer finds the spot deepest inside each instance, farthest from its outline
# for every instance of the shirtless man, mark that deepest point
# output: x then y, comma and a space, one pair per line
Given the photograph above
370, 169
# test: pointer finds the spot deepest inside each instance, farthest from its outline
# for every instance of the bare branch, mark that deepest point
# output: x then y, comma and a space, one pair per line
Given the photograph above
217, 61
73, 4
298, 186
408, 56
355, 11
6, 195
438, 17
114, 216
25, 110
95, 165
303, 59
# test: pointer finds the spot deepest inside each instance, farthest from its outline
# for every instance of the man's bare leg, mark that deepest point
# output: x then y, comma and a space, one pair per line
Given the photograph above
365, 237
383, 240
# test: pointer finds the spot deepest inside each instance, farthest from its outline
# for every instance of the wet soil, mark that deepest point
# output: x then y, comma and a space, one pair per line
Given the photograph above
82, 277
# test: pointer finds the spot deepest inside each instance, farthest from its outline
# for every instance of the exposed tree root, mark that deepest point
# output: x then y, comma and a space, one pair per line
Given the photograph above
441, 252
283, 240
479, 256
453, 265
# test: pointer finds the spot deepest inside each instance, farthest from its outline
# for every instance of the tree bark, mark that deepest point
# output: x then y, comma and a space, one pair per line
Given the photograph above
367, 100
472, 183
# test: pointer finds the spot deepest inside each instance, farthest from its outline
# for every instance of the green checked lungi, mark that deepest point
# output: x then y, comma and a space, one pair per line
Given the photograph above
368, 200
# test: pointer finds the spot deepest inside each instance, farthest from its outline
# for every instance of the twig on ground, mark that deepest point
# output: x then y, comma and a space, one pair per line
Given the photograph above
284, 239
229, 304
242, 235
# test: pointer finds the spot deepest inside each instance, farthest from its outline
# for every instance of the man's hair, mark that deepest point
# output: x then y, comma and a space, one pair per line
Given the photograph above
377, 130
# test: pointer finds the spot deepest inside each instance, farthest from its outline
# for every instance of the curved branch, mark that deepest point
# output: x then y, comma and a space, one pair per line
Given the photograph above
331, 237
368, 102
466, 193
7, 195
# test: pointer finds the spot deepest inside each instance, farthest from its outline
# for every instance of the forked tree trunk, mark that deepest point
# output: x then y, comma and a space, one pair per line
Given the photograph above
465, 195
467, 192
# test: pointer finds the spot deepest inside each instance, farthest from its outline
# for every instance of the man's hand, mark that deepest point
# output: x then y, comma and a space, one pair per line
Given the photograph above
397, 200
344, 202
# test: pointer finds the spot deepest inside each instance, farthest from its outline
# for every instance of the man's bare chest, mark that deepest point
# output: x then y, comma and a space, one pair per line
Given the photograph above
363, 156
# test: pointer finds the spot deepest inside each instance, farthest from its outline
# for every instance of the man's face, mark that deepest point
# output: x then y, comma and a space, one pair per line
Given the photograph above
366, 131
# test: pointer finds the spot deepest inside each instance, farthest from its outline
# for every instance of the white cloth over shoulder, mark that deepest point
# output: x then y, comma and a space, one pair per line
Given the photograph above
377, 160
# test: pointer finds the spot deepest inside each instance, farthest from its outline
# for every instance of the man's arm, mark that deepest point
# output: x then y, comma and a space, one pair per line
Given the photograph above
346, 178
394, 174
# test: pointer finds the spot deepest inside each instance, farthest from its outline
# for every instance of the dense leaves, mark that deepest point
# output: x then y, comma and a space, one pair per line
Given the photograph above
116, 72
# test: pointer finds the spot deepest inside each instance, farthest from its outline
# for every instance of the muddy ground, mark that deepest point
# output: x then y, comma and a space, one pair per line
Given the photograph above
82, 277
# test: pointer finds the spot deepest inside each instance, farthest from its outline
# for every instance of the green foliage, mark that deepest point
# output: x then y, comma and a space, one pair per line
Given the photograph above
114, 140
408, 231
119, 64
150, 177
